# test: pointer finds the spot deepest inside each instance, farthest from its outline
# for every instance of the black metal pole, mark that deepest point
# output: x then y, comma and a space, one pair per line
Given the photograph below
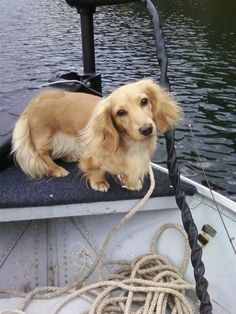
87, 31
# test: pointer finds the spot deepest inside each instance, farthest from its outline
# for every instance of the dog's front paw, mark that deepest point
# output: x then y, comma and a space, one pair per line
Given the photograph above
133, 186
101, 186
59, 172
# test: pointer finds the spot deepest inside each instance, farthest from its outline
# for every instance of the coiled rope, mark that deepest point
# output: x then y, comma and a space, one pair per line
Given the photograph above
148, 284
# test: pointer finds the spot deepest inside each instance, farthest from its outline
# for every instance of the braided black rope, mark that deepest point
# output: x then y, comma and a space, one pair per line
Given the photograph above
174, 173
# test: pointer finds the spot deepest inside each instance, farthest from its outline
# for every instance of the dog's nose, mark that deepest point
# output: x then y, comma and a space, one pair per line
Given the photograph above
146, 129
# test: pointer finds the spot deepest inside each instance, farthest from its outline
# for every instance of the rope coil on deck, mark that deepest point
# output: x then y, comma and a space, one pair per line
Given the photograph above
148, 284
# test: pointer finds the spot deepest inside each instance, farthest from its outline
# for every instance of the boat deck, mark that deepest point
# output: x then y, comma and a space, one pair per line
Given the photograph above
58, 251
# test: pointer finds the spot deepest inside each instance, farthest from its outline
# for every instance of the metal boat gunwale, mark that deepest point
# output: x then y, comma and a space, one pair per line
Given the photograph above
204, 191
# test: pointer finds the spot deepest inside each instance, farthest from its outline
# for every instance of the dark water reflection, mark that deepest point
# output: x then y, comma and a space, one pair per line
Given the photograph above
42, 38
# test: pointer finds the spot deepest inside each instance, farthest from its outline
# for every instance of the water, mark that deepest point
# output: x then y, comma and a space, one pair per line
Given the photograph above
39, 39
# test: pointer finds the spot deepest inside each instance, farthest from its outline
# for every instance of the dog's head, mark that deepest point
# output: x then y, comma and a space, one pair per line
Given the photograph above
136, 110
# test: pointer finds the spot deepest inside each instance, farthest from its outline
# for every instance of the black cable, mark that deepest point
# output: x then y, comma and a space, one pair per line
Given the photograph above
174, 173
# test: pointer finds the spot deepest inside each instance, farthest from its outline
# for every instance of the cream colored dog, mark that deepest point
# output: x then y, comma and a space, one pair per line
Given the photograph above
116, 134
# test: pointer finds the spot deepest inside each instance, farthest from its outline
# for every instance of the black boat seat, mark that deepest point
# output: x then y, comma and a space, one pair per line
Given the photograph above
16, 190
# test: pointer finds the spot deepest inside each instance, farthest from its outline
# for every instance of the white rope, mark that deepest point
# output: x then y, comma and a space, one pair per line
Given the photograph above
70, 81
148, 283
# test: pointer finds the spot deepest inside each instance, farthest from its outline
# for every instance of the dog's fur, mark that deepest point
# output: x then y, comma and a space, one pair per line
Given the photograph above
115, 135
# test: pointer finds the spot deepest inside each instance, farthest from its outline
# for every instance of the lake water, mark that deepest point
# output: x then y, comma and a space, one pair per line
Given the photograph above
39, 39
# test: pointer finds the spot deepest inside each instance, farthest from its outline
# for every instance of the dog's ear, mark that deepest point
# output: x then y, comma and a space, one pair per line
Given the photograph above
166, 111
105, 132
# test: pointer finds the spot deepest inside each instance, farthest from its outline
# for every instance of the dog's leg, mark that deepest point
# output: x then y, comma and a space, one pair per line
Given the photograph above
132, 182
98, 181
42, 145
53, 169
94, 174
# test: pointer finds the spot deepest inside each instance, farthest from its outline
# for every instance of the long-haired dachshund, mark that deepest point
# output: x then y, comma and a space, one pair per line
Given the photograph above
116, 134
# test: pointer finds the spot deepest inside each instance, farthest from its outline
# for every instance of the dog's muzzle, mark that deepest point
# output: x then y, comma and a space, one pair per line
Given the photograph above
146, 129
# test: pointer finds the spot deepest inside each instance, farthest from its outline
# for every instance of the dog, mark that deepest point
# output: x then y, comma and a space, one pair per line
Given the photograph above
116, 134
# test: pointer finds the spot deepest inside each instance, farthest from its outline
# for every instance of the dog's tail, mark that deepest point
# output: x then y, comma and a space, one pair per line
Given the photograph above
24, 151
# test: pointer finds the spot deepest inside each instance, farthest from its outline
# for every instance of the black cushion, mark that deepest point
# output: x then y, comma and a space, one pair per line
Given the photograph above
16, 190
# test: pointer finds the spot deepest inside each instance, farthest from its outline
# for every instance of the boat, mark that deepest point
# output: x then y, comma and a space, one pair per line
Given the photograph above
55, 232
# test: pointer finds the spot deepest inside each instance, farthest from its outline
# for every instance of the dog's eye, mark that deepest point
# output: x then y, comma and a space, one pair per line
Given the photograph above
121, 112
144, 101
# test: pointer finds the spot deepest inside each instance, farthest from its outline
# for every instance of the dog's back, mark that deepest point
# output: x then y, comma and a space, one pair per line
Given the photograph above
52, 115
